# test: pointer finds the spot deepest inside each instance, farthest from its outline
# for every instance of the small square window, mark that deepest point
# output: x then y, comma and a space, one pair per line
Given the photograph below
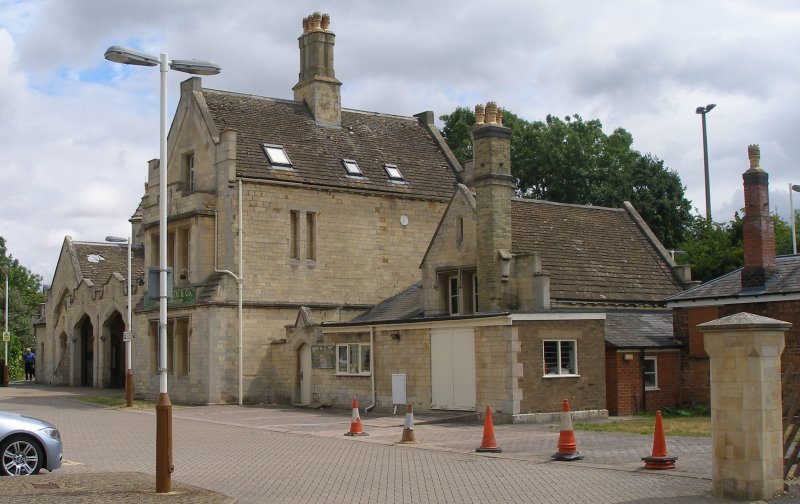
560, 357
277, 155
393, 171
352, 167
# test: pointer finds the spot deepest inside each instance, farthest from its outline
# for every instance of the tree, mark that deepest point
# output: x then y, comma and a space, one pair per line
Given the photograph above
714, 249
24, 298
573, 161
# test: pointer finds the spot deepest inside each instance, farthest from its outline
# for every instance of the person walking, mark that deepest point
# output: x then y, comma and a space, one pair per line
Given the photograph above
30, 364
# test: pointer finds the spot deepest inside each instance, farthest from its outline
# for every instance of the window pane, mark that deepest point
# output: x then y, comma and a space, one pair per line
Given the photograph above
341, 364
551, 357
453, 282
650, 376
366, 356
351, 166
277, 155
353, 359
567, 357
393, 172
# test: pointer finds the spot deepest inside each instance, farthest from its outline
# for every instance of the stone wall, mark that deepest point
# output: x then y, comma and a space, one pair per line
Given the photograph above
542, 393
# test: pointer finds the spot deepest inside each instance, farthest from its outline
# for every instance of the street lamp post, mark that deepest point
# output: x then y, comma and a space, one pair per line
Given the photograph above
703, 111
5, 333
795, 188
127, 56
128, 327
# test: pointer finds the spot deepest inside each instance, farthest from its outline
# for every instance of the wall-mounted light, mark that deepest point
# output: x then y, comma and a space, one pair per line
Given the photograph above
627, 356
395, 336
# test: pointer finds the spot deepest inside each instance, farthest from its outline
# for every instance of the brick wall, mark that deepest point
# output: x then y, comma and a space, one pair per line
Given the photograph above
624, 381
694, 362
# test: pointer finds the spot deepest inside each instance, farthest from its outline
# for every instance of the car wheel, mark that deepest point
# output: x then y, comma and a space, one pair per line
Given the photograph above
22, 456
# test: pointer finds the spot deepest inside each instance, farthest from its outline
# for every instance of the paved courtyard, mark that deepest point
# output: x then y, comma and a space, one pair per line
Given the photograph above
286, 455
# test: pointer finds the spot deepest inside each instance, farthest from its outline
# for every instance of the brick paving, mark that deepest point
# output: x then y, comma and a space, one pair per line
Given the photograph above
287, 455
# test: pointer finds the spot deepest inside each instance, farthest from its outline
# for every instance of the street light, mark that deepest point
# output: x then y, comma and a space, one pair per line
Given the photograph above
126, 337
703, 111
127, 56
795, 188
5, 333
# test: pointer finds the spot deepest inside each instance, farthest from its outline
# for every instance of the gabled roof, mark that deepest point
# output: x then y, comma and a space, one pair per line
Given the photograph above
97, 262
316, 151
402, 306
593, 254
640, 329
785, 282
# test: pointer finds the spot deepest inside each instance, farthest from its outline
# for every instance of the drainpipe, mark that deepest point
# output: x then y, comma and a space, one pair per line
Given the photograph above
239, 279
372, 371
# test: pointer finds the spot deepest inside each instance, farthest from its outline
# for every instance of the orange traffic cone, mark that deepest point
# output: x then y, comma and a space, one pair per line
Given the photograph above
408, 427
355, 423
659, 458
567, 447
488, 444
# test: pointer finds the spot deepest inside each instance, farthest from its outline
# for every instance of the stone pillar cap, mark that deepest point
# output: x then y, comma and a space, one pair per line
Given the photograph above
744, 320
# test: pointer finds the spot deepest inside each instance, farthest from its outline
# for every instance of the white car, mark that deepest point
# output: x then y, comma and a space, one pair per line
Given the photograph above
27, 445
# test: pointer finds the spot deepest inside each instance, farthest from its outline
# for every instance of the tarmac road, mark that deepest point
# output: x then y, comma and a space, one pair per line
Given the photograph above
276, 454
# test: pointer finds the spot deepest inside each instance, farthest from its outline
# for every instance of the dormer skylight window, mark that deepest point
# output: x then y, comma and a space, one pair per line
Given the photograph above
393, 171
352, 167
277, 156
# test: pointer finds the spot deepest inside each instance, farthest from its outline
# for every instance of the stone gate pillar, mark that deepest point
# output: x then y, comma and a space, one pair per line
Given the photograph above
746, 410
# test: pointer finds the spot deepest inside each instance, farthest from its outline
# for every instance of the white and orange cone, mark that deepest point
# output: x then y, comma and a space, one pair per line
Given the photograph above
355, 423
567, 447
408, 426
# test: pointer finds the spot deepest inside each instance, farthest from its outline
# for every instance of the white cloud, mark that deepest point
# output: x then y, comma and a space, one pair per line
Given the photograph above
78, 131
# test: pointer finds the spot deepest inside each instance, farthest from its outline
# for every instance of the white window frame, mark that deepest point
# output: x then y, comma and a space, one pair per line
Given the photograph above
350, 368
560, 370
277, 156
654, 372
475, 292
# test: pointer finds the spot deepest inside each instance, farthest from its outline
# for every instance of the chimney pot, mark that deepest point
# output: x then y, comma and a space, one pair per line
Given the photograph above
479, 114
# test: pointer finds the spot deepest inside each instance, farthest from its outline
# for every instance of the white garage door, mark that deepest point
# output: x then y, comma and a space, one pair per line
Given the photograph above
453, 369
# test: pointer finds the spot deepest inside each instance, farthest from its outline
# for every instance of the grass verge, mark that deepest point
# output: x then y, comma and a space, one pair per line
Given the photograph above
645, 424
117, 401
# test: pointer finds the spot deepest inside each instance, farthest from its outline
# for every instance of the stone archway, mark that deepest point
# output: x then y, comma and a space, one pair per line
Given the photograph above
85, 352
114, 351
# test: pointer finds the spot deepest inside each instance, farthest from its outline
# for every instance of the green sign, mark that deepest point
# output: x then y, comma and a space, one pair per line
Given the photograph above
180, 296
323, 356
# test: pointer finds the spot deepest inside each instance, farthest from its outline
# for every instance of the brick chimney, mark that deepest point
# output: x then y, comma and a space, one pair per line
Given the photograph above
494, 188
317, 84
758, 232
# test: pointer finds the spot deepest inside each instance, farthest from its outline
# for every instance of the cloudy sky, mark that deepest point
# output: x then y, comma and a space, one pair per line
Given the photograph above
77, 131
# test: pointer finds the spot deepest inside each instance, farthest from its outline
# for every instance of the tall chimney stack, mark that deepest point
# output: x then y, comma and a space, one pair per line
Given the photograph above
317, 84
494, 188
758, 232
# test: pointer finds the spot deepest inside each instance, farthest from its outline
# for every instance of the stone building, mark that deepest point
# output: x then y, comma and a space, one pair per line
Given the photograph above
274, 204
766, 285
521, 304
79, 336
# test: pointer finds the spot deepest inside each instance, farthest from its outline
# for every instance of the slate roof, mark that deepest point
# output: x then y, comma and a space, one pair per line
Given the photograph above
593, 254
785, 281
316, 151
98, 261
402, 306
640, 329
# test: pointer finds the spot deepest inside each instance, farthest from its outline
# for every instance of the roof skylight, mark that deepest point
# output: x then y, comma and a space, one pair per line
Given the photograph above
352, 167
393, 171
277, 155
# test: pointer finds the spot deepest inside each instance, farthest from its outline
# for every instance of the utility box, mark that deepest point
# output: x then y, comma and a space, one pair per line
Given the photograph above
399, 390
153, 282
